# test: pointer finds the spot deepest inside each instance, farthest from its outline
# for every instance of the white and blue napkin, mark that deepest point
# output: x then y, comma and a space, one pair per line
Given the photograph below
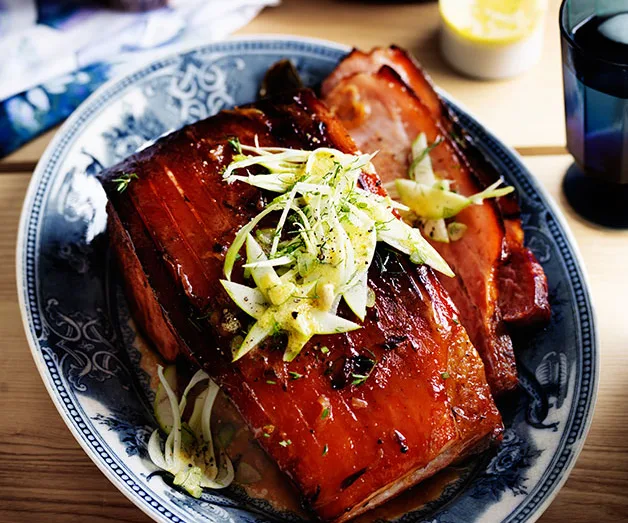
55, 53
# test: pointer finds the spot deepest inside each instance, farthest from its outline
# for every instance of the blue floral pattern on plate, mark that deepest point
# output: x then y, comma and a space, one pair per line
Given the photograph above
86, 347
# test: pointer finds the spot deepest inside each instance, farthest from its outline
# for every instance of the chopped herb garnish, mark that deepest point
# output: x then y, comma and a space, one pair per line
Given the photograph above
325, 449
235, 144
445, 375
124, 180
271, 382
359, 379
266, 435
285, 442
324, 350
325, 413
363, 367
295, 375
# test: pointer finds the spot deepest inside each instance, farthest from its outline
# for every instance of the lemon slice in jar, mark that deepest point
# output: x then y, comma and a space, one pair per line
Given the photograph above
492, 38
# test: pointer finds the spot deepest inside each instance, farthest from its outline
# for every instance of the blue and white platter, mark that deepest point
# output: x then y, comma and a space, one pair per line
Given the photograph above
94, 363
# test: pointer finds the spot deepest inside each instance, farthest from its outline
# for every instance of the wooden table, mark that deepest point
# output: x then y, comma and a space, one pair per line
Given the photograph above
45, 476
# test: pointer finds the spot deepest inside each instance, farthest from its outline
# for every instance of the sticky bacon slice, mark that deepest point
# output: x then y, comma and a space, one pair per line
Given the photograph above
346, 445
522, 284
382, 114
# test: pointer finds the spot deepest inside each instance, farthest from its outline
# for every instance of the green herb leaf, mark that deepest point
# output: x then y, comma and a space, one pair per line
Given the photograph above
445, 375
359, 379
285, 442
325, 449
325, 413
235, 144
295, 375
124, 180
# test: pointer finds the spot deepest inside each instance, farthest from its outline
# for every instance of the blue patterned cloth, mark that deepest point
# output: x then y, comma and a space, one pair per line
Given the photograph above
55, 53
28, 114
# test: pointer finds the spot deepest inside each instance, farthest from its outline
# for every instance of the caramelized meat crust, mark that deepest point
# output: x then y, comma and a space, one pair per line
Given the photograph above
346, 445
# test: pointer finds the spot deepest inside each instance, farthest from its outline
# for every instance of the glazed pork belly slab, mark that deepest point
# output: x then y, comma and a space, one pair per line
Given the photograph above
426, 401
522, 284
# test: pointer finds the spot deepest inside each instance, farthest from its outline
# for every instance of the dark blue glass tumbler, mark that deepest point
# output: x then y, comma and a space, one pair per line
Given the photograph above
595, 73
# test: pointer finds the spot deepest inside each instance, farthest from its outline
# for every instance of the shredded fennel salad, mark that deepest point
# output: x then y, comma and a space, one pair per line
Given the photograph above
316, 255
324, 240
321, 248
189, 453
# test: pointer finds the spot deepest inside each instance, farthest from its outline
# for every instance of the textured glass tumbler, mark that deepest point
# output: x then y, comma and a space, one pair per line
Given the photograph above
595, 75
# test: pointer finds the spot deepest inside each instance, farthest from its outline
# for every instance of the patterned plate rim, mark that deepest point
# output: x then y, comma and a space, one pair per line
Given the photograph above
28, 231
551, 203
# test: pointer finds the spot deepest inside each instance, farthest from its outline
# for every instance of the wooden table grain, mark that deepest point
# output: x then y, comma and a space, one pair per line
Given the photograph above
44, 474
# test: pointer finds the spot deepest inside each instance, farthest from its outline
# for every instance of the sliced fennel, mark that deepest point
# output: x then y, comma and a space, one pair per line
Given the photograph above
431, 199
280, 304
456, 230
436, 203
321, 247
163, 412
189, 453
421, 171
